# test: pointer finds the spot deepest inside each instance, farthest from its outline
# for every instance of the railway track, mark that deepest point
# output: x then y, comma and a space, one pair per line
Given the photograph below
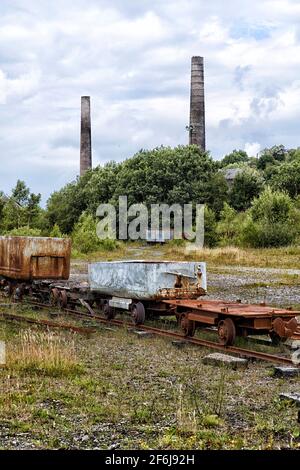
247, 353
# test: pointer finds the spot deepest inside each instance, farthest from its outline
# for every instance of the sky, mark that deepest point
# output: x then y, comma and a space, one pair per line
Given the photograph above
133, 58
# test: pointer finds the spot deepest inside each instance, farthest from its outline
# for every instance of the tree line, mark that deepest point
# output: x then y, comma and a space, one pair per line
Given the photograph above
259, 207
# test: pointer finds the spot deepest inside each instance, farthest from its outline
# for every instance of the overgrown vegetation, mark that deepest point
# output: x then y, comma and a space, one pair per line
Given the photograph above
135, 394
260, 207
43, 353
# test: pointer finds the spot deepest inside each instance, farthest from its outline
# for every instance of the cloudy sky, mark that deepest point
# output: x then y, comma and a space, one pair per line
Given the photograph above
133, 58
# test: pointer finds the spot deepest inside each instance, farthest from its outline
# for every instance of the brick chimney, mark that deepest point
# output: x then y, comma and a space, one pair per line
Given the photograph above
197, 106
85, 136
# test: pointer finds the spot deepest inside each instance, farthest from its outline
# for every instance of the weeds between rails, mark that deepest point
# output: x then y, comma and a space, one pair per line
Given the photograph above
248, 353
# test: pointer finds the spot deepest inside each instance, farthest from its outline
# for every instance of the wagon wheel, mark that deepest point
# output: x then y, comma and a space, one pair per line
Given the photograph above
54, 297
63, 299
138, 313
188, 326
9, 289
109, 312
19, 292
226, 332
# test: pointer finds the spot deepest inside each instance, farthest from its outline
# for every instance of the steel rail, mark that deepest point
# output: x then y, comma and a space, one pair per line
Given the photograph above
48, 323
196, 341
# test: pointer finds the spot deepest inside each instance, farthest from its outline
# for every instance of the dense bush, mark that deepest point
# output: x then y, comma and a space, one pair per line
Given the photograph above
84, 236
270, 221
24, 232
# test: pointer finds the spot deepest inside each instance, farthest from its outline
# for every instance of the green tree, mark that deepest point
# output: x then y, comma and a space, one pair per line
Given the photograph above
271, 156
210, 228
287, 178
21, 193
85, 238
236, 156
270, 221
163, 175
227, 227
21, 209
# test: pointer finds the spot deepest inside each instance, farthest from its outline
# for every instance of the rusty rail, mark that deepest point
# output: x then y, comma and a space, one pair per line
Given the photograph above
196, 341
48, 323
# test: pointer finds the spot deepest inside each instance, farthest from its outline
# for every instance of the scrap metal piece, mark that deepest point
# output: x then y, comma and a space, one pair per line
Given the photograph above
285, 329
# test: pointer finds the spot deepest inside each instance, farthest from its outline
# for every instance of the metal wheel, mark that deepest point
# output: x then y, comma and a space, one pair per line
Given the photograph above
9, 289
226, 332
138, 313
188, 326
63, 299
109, 312
19, 292
54, 297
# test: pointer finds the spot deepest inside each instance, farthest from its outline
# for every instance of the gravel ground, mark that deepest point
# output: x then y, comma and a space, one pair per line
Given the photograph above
255, 285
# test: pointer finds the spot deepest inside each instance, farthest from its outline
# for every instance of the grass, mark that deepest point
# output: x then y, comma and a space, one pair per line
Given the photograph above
44, 353
136, 393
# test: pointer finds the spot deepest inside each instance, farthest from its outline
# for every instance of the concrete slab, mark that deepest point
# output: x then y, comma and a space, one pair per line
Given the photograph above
142, 334
293, 397
218, 359
2, 353
286, 371
292, 343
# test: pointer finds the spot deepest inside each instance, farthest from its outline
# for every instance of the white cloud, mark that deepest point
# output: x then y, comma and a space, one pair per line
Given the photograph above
252, 149
133, 58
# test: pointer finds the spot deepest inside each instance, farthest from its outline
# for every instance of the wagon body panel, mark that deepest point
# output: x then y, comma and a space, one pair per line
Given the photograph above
30, 258
148, 280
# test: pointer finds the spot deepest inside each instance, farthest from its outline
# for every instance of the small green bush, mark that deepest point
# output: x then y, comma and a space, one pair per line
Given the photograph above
24, 232
85, 238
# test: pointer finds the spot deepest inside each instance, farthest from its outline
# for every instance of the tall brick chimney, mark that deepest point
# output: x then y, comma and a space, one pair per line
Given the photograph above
85, 136
197, 106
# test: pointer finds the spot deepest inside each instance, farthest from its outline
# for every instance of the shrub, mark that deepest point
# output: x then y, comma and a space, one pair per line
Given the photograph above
228, 227
210, 226
271, 221
25, 232
55, 232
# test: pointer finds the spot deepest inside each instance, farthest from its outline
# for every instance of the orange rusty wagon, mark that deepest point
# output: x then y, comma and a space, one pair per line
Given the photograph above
30, 258
235, 319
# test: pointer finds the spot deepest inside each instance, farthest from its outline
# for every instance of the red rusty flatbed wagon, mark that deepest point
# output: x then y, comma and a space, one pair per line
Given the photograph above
235, 319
